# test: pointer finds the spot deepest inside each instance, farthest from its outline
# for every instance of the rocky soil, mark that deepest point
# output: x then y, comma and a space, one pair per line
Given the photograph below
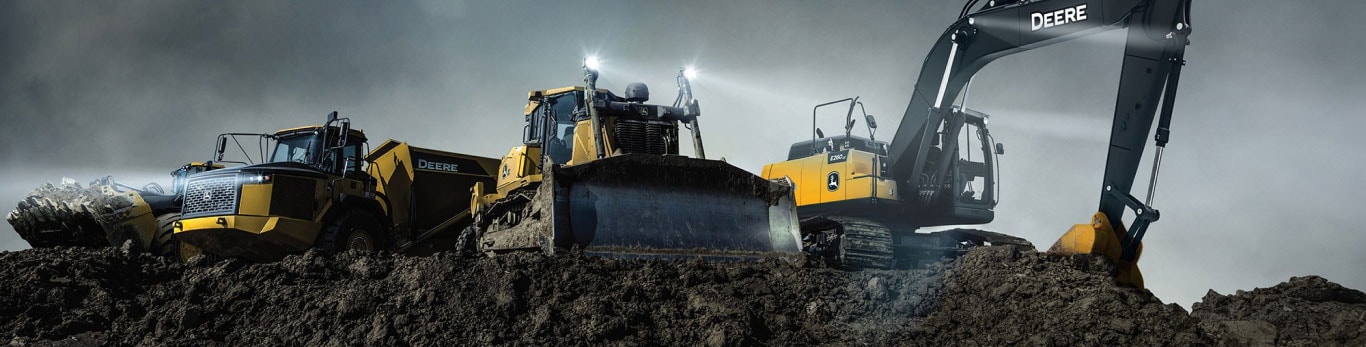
991, 296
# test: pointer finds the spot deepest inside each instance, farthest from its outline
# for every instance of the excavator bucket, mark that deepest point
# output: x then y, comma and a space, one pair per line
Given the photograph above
72, 216
1100, 237
656, 206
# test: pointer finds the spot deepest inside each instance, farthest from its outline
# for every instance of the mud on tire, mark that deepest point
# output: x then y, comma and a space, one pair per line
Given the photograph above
354, 230
164, 243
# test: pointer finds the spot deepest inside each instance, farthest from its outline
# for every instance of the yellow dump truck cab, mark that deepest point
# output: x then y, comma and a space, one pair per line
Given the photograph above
311, 191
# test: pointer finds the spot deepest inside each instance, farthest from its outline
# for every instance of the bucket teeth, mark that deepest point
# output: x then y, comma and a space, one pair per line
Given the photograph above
65, 215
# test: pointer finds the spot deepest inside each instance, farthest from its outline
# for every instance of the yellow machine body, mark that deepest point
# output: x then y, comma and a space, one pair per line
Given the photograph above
412, 193
424, 192
854, 173
640, 198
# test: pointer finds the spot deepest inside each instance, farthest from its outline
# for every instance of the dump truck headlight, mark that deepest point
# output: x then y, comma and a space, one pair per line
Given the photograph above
254, 179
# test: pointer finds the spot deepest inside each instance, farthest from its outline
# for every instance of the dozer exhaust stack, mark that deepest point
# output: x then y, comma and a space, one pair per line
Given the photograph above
657, 207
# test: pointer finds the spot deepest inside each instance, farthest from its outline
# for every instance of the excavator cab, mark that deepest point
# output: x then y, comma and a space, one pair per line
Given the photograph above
853, 209
968, 193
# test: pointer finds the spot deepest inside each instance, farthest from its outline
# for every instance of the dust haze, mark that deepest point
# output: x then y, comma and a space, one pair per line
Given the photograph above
1261, 180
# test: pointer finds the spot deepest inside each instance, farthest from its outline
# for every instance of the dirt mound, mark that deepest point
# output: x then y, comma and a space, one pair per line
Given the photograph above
1305, 311
1003, 297
992, 296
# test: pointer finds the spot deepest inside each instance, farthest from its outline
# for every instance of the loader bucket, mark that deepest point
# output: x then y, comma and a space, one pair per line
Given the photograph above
52, 216
96, 216
648, 205
665, 207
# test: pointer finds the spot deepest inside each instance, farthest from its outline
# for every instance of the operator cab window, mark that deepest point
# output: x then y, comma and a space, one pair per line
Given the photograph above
560, 140
343, 166
296, 149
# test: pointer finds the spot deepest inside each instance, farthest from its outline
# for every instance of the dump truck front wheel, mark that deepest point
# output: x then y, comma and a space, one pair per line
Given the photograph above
165, 243
354, 231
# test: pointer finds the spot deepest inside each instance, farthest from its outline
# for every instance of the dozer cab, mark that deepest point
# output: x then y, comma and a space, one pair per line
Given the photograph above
317, 188
601, 173
105, 213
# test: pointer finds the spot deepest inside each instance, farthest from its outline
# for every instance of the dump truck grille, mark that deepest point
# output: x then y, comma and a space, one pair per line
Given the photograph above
641, 137
210, 196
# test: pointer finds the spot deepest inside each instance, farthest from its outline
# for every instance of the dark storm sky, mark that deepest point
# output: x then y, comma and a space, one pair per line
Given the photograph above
1262, 180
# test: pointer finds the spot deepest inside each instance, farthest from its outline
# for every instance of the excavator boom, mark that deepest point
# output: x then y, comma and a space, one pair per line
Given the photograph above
1153, 56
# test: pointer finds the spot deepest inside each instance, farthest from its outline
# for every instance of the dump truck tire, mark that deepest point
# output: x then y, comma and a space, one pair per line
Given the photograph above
165, 243
355, 230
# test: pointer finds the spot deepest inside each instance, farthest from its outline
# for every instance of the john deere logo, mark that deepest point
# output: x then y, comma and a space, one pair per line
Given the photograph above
207, 196
832, 181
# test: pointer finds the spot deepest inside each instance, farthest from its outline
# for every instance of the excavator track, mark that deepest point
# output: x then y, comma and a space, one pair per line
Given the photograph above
865, 244
851, 243
855, 243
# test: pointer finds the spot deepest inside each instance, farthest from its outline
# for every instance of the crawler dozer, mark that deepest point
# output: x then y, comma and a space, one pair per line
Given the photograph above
317, 188
602, 174
105, 213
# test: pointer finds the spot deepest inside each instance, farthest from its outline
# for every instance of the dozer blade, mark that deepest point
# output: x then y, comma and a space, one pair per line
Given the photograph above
72, 216
656, 206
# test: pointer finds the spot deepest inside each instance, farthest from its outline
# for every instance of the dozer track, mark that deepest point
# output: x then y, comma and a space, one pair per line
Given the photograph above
647, 206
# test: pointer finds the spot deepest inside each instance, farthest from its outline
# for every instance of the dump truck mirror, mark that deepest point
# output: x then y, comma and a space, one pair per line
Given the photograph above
345, 133
332, 117
819, 133
868, 118
1000, 148
222, 146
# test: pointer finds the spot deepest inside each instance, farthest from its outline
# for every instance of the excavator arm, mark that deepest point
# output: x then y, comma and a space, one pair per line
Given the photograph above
1154, 50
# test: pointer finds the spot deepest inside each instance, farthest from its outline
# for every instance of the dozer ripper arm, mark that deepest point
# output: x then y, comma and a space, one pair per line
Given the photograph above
1154, 51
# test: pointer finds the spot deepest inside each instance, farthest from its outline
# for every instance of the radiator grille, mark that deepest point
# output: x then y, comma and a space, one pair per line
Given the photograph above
641, 137
210, 196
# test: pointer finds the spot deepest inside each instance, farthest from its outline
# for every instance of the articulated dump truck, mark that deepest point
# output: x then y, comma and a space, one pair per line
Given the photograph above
318, 189
104, 213
602, 174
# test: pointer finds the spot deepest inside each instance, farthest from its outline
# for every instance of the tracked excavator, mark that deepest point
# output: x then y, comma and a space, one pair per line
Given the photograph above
601, 173
104, 213
919, 179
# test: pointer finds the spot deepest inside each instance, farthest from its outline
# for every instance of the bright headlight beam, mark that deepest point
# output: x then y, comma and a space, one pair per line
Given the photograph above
690, 72
592, 62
